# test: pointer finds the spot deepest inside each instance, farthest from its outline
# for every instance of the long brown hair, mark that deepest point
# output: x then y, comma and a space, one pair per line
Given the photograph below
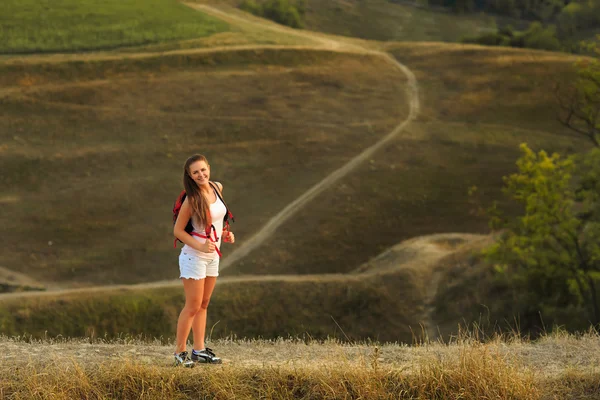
199, 204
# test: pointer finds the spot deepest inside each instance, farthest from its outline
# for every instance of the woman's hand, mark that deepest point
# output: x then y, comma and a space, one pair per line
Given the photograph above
228, 237
208, 247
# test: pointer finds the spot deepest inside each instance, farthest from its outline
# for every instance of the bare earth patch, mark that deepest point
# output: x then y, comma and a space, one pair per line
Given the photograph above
550, 356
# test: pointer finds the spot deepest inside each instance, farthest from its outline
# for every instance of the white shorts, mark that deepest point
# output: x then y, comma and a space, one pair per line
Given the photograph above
192, 266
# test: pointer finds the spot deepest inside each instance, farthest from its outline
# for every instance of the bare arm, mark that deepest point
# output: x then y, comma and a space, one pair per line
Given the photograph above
185, 213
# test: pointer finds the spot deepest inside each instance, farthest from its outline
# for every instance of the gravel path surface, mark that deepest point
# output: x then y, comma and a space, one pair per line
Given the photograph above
549, 357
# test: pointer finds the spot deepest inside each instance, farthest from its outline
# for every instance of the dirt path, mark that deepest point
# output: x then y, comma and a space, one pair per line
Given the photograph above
549, 357
282, 216
223, 280
324, 43
263, 23
420, 253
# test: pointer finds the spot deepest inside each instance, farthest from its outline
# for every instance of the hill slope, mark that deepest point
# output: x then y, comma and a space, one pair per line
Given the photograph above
107, 142
389, 299
477, 105
98, 124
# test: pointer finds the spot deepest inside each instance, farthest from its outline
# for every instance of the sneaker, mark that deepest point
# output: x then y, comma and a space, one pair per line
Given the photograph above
184, 360
206, 356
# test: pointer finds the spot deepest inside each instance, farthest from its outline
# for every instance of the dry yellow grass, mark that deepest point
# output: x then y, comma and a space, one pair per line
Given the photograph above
247, 114
555, 367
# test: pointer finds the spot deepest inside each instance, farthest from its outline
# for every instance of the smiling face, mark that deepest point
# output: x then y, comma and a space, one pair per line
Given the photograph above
200, 172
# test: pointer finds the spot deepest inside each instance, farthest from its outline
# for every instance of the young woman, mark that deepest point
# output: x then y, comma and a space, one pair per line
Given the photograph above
199, 258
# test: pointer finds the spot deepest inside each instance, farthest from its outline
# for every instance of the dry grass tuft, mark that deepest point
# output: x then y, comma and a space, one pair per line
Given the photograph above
481, 372
478, 374
466, 368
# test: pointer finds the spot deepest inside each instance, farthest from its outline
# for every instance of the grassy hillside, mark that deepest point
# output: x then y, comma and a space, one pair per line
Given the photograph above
477, 105
354, 307
93, 150
32, 26
259, 115
293, 369
388, 299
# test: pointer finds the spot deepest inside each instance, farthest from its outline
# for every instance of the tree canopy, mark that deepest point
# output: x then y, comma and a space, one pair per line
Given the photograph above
551, 251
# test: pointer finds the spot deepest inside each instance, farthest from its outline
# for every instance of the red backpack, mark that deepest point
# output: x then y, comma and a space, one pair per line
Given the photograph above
189, 228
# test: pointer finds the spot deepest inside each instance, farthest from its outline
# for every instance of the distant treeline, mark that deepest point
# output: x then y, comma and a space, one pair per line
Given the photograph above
537, 36
555, 24
571, 14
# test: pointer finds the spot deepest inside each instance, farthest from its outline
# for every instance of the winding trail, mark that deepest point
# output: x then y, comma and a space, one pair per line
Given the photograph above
323, 43
281, 217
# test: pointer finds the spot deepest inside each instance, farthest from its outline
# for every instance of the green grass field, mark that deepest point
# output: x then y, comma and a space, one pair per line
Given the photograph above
32, 26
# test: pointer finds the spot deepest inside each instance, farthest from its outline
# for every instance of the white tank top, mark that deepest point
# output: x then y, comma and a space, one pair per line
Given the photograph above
217, 213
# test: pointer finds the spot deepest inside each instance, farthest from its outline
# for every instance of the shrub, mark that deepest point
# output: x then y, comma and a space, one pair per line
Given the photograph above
280, 11
540, 37
535, 37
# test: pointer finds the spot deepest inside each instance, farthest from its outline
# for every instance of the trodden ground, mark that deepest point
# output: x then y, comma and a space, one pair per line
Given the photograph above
557, 366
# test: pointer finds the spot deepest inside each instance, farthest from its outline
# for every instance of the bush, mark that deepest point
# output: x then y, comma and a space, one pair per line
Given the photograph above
539, 37
251, 7
280, 11
535, 37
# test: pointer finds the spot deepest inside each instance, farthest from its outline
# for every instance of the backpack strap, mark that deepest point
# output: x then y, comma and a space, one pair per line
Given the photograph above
218, 192
210, 237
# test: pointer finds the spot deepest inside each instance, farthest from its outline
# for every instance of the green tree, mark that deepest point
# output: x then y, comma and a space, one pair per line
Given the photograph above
578, 16
552, 251
580, 101
536, 36
282, 11
539, 37
569, 19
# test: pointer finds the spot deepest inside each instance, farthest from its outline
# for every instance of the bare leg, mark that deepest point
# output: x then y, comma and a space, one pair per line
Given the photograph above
199, 324
194, 290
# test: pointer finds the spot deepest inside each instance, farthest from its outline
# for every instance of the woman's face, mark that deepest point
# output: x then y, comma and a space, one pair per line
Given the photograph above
200, 172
